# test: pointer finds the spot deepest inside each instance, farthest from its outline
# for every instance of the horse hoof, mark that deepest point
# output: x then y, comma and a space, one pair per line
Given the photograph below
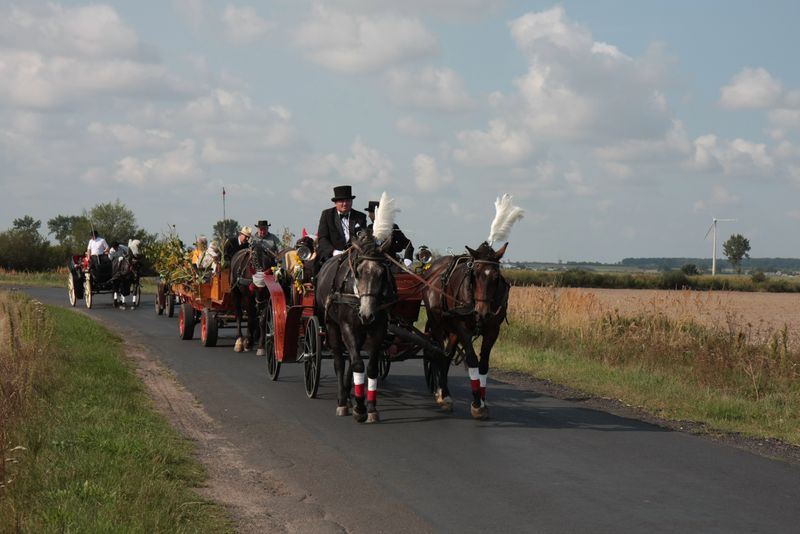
360, 417
260, 352
342, 411
373, 417
447, 407
237, 347
480, 413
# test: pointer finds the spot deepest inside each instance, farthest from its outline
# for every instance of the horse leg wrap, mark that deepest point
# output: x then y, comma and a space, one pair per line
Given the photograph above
475, 385
482, 379
358, 384
372, 391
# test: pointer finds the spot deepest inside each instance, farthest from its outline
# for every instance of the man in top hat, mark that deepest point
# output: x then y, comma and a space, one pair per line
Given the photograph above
338, 224
232, 246
400, 243
266, 240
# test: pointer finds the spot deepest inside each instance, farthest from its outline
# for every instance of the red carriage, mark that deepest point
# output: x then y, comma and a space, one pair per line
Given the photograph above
206, 301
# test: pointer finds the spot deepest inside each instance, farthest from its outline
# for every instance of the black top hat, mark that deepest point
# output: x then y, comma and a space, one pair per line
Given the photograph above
342, 192
262, 224
372, 205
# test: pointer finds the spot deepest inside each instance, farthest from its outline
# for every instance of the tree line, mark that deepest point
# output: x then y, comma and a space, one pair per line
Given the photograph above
24, 247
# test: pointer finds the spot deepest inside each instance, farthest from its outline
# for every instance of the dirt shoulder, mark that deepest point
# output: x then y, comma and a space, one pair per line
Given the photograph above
770, 448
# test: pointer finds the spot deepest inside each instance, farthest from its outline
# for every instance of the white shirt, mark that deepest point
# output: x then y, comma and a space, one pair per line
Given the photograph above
97, 246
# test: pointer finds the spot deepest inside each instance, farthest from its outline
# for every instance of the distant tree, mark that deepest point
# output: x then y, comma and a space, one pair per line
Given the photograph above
71, 231
736, 248
23, 248
690, 269
114, 221
27, 225
224, 229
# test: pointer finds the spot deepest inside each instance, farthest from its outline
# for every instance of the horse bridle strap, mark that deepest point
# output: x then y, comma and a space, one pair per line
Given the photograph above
422, 280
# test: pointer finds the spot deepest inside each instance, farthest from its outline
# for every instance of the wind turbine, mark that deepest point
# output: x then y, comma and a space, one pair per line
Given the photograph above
714, 239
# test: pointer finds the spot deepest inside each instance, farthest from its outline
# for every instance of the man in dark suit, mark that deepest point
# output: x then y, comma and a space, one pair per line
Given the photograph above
338, 224
242, 241
400, 243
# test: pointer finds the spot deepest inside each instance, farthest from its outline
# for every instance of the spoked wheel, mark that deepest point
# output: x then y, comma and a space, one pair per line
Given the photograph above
87, 290
73, 297
431, 376
384, 364
170, 304
312, 355
159, 299
136, 291
186, 321
208, 328
273, 365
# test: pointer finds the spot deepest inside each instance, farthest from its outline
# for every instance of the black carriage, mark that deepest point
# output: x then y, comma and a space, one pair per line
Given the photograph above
88, 278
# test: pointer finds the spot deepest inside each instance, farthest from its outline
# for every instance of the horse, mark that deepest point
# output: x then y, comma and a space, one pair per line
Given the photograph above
465, 297
353, 291
248, 289
124, 273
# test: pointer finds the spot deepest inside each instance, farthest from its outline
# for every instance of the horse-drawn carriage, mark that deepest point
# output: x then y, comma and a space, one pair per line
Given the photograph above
102, 274
206, 301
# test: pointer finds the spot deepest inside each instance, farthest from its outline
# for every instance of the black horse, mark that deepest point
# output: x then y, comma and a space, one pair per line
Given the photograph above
248, 267
352, 293
124, 276
465, 297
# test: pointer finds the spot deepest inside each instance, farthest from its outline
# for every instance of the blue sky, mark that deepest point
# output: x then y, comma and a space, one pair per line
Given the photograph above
620, 127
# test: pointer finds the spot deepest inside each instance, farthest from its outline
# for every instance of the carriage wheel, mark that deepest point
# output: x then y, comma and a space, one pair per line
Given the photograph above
431, 376
273, 365
87, 290
186, 321
208, 328
159, 307
170, 303
136, 291
384, 364
73, 297
312, 354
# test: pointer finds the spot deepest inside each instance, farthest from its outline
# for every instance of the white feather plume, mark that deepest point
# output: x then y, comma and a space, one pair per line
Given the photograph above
133, 246
506, 214
384, 218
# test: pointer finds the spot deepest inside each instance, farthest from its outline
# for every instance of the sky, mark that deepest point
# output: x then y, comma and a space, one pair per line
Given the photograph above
620, 127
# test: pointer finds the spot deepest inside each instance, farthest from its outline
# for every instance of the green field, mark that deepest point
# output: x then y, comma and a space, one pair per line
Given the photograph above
88, 452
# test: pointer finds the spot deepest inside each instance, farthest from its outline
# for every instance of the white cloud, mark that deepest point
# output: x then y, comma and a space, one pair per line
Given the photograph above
751, 89
412, 127
51, 56
193, 10
720, 195
499, 146
242, 25
348, 42
429, 88
427, 175
176, 166
448, 8
731, 157
364, 165
131, 137
793, 214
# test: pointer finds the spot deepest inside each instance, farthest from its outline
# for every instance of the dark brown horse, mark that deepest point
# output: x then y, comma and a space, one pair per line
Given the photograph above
249, 292
352, 293
466, 297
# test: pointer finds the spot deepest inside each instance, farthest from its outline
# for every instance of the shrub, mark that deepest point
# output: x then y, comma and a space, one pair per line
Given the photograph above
690, 269
674, 280
758, 277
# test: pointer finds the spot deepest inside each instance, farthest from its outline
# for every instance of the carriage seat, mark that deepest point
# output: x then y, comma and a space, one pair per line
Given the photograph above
100, 266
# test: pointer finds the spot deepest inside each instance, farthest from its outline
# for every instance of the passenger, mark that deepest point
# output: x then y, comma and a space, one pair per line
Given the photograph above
338, 224
232, 246
199, 250
266, 240
117, 250
400, 243
96, 250
210, 258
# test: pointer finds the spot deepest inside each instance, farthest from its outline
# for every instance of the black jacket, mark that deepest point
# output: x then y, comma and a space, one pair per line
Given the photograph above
232, 246
330, 235
401, 244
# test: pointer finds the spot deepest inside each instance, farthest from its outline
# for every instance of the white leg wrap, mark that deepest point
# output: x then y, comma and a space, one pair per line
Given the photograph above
482, 379
372, 384
358, 378
473, 373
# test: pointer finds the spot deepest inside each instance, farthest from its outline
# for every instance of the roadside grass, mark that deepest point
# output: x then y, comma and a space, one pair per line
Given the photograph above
87, 451
56, 278
674, 368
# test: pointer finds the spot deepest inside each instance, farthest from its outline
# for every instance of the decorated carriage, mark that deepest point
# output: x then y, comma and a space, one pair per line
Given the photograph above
88, 278
205, 300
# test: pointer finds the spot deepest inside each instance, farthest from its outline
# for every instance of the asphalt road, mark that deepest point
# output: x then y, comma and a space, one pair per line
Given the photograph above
539, 465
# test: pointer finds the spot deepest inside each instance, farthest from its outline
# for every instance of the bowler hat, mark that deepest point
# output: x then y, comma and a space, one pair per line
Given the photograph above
372, 205
342, 192
262, 224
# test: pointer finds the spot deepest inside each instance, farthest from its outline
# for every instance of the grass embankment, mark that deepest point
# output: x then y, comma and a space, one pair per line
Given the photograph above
672, 367
55, 278
87, 451
666, 280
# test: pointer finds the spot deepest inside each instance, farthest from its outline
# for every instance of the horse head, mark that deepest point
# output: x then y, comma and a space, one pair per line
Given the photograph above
487, 282
373, 281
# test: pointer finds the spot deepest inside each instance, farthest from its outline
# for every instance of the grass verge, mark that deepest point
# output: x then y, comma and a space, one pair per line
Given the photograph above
672, 368
88, 452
